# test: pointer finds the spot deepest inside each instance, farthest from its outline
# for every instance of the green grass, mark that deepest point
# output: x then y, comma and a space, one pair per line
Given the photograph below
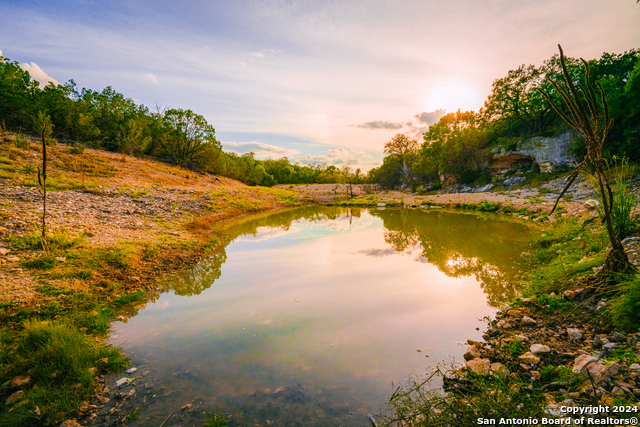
562, 253
57, 356
419, 403
217, 418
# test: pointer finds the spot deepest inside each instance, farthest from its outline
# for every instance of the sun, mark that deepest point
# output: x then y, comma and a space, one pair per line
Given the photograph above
453, 96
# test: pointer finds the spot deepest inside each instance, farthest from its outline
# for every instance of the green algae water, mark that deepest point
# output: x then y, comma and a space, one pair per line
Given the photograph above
308, 316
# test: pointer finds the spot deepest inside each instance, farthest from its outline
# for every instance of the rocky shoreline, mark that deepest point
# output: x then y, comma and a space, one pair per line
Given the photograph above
530, 341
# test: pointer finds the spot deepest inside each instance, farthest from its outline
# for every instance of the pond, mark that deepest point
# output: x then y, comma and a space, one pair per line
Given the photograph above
308, 315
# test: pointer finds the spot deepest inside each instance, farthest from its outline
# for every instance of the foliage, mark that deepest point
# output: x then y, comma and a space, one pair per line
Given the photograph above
58, 357
420, 403
589, 116
625, 306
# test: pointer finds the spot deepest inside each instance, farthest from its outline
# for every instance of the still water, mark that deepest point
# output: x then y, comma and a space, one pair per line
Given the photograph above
309, 315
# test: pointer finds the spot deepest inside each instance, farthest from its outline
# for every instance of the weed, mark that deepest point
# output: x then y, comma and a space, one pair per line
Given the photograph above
76, 149
625, 306
217, 419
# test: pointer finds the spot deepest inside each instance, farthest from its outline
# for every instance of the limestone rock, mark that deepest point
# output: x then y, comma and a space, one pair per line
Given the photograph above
526, 320
15, 397
21, 381
504, 324
479, 366
472, 353
574, 334
529, 358
539, 348
499, 369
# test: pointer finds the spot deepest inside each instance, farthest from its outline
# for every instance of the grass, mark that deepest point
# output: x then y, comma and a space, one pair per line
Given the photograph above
217, 418
419, 403
58, 357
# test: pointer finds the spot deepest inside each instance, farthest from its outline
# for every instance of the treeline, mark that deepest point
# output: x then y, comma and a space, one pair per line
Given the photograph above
110, 121
459, 145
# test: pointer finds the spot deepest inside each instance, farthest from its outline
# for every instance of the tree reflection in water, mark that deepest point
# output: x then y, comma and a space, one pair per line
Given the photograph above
461, 244
458, 244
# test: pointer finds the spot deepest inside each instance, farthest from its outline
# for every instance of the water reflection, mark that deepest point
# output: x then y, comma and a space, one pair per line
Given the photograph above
306, 316
484, 246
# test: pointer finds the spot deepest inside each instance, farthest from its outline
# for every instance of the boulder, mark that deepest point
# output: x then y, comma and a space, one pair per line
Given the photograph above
600, 371
479, 366
504, 324
526, 320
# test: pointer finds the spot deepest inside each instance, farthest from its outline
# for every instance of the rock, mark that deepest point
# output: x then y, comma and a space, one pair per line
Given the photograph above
539, 348
598, 370
13, 259
535, 375
121, 381
84, 406
15, 397
471, 353
592, 203
635, 368
504, 324
4, 251
526, 320
569, 294
499, 369
22, 381
102, 361
529, 358
92, 371
131, 370
381, 205
574, 334
61, 258
617, 337
484, 188
187, 406
70, 423
479, 366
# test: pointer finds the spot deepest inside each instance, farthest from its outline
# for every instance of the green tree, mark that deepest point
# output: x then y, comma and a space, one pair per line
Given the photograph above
191, 142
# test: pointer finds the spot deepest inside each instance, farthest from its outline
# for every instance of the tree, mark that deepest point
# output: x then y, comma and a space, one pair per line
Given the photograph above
401, 144
192, 141
44, 125
589, 117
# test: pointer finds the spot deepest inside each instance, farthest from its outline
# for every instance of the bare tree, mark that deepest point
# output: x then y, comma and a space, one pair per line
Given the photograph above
590, 119
45, 130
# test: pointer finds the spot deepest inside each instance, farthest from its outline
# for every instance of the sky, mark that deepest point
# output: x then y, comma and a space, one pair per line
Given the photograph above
316, 81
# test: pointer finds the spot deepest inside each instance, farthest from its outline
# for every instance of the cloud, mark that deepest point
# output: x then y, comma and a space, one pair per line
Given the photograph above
152, 78
260, 149
258, 54
430, 118
337, 156
380, 124
36, 73
0, 53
